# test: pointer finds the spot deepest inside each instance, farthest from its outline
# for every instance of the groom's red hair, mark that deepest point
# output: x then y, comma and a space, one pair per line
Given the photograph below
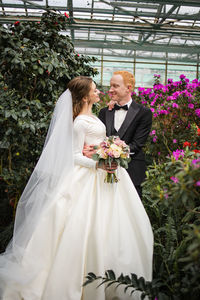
128, 78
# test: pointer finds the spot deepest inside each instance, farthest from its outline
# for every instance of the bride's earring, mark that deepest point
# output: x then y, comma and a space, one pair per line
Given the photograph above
86, 101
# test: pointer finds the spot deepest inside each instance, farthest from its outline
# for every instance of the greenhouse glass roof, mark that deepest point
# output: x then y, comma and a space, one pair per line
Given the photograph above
152, 29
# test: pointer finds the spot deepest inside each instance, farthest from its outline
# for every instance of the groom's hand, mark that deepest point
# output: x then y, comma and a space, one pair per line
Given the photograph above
88, 150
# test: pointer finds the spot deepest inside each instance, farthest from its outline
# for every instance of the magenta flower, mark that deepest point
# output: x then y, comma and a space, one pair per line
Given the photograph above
169, 98
195, 80
174, 179
197, 112
141, 89
198, 183
158, 87
163, 112
175, 105
155, 139
151, 95
176, 94
165, 89
182, 76
190, 105
152, 109
176, 154
196, 163
174, 141
186, 93
148, 91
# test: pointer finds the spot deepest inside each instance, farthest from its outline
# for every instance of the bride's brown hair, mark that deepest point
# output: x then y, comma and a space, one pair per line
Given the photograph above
79, 87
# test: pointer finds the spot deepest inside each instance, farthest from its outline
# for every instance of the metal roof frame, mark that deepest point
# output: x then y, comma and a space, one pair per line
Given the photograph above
168, 26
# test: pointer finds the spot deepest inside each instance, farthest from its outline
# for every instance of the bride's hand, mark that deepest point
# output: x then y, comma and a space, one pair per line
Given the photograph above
107, 167
88, 150
111, 104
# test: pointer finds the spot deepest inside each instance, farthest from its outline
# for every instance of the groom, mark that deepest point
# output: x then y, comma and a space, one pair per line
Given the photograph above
130, 121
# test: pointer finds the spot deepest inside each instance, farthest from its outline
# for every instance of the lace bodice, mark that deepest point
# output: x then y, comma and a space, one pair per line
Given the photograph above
89, 130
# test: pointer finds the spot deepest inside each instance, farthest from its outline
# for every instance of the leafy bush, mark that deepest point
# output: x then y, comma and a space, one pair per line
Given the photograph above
36, 63
171, 199
104, 100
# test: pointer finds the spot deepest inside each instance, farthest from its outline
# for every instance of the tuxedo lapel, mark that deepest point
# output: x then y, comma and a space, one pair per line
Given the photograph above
109, 121
130, 116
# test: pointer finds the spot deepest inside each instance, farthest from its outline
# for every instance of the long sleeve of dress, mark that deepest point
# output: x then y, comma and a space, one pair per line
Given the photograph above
80, 130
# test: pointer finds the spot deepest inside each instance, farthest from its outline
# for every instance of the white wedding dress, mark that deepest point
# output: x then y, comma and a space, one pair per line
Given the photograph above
92, 226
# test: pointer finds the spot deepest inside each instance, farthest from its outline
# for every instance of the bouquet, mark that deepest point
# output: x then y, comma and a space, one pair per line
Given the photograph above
112, 149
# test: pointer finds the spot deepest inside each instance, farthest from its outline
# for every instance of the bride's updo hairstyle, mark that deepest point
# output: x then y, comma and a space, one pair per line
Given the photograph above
79, 87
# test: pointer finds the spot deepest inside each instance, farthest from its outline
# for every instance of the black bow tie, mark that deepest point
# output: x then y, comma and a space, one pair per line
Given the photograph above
117, 107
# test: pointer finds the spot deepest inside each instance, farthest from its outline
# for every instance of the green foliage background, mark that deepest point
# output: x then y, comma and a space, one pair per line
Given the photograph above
171, 199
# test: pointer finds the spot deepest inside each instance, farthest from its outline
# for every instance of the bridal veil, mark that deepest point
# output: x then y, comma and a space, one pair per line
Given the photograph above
54, 163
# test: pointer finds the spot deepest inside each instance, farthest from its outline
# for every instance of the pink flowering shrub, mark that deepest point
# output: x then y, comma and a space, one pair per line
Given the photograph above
176, 115
171, 191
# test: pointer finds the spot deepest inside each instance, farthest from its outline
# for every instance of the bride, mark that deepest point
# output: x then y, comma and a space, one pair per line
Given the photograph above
68, 221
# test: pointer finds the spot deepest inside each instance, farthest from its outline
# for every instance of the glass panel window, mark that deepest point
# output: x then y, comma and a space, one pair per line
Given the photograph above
144, 74
174, 71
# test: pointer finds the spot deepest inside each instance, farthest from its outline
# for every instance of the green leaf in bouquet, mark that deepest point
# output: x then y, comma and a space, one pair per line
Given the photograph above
95, 157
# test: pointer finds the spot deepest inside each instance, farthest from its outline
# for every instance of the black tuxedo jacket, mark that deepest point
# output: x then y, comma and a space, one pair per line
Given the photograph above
134, 131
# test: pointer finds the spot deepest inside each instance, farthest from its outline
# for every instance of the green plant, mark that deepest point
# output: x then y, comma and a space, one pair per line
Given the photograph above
104, 100
171, 199
131, 284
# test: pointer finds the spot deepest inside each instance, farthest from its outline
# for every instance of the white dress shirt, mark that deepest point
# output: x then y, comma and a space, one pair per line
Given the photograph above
120, 116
